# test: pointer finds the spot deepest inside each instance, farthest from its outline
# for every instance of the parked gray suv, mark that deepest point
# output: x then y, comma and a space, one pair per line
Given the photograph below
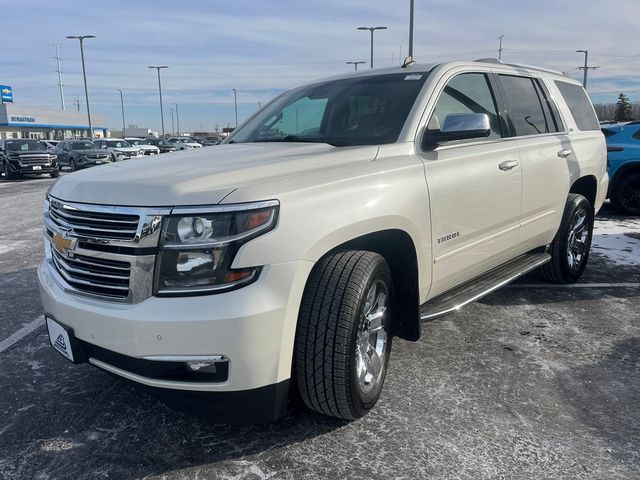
77, 154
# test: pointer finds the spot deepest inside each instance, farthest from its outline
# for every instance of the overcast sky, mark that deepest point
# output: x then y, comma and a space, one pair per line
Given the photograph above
261, 47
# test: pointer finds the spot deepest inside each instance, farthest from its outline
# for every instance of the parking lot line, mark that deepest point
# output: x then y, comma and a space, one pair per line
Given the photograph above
20, 334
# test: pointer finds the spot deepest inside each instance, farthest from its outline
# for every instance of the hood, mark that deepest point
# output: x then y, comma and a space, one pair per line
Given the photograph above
20, 153
202, 176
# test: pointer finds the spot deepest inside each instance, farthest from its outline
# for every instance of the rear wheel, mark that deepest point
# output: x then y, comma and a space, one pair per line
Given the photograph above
626, 194
73, 166
343, 340
570, 247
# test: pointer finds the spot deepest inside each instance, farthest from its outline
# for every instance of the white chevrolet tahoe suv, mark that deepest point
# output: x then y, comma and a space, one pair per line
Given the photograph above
343, 213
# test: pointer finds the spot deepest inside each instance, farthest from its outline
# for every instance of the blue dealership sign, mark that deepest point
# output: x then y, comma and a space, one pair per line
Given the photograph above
6, 93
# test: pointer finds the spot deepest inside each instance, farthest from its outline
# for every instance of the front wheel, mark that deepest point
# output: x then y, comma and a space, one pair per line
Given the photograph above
55, 174
626, 194
570, 247
9, 175
343, 339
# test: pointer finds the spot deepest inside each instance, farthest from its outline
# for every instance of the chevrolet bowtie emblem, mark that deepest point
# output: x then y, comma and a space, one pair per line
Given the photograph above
63, 243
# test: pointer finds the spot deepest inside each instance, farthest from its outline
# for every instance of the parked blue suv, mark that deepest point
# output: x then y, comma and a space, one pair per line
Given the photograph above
623, 147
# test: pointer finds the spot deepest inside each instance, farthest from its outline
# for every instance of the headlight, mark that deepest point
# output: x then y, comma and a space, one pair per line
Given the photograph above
198, 247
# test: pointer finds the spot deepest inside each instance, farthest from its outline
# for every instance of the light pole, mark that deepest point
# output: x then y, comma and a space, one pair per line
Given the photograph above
158, 68
586, 67
84, 75
500, 47
235, 105
411, 9
60, 77
372, 29
355, 64
177, 119
173, 130
124, 128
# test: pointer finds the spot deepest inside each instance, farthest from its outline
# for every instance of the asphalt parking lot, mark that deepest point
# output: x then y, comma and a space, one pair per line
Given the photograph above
534, 381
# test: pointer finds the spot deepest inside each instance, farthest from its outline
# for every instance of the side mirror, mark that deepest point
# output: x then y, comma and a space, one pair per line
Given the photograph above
459, 126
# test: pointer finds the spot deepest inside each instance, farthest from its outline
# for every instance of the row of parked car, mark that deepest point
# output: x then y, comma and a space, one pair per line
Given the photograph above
20, 157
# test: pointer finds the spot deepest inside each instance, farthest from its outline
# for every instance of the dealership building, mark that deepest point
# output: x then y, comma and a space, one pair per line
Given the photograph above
27, 121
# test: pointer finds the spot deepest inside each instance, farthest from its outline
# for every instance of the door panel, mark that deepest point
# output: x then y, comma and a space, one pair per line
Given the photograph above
544, 187
475, 210
475, 187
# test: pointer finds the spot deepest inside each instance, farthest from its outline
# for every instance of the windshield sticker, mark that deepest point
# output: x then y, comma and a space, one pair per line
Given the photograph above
413, 76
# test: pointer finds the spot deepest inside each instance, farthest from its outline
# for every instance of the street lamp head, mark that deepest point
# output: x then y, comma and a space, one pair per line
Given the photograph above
363, 28
379, 28
80, 37
157, 66
581, 51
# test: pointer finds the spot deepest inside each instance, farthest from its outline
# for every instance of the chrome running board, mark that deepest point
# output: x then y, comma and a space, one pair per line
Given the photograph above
474, 289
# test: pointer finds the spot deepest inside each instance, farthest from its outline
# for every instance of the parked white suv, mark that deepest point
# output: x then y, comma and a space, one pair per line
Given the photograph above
120, 149
147, 148
184, 143
344, 213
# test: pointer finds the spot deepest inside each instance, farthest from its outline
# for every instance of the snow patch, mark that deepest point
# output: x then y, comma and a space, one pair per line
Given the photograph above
611, 240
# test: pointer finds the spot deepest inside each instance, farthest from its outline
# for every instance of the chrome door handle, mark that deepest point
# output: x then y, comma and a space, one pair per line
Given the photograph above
507, 165
565, 153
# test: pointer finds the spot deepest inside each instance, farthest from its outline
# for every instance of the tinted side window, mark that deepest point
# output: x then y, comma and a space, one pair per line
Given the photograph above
526, 112
636, 135
466, 93
579, 105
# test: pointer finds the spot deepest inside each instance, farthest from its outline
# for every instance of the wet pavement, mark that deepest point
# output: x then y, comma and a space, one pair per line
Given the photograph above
531, 382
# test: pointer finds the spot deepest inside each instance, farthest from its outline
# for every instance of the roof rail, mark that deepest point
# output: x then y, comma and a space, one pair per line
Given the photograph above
521, 65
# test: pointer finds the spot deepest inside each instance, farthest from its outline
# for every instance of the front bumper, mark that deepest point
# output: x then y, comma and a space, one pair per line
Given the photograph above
254, 327
84, 162
21, 169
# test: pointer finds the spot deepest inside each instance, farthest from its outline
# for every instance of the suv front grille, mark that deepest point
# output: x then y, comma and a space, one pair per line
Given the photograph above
107, 252
116, 226
94, 275
34, 159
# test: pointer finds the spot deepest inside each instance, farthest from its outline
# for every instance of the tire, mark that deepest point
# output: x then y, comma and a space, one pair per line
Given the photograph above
570, 247
55, 174
626, 194
73, 166
343, 339
9, 175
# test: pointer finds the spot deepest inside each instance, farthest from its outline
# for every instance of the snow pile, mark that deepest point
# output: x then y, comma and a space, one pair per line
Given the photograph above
611, 240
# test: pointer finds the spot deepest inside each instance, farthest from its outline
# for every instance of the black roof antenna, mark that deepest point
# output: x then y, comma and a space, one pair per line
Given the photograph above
408, 62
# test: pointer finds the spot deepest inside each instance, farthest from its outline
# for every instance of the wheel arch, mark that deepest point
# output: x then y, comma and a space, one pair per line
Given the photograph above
586, 186
624, 169
398, 249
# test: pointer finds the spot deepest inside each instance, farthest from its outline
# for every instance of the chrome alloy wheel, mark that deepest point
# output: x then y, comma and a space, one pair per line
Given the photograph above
579, 240
371, 346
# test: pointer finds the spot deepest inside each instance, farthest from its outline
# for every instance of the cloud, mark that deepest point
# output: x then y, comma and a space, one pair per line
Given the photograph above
261, 48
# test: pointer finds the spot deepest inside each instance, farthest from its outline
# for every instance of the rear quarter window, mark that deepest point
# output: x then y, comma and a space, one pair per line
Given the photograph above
607, 133
579, 105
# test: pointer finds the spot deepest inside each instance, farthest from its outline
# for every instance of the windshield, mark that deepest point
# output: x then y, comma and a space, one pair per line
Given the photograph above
367, 110
82, 146
118, 144
24, 145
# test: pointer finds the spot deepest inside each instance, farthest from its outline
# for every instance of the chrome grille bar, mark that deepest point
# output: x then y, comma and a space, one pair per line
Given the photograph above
96, 282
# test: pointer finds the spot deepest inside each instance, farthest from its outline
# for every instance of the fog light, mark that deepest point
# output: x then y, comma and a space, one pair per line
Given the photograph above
202, 367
